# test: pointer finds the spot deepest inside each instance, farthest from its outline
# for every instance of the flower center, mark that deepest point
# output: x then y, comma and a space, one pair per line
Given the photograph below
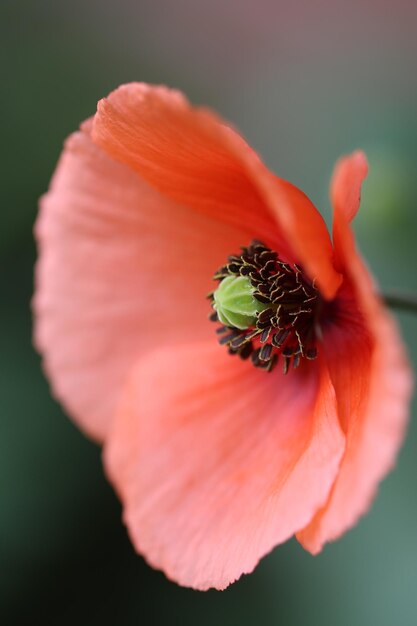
266, 307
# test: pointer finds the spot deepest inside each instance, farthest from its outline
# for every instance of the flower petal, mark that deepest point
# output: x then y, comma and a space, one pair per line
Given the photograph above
121, 270
370, 373
216, 462
345, 193
194, 158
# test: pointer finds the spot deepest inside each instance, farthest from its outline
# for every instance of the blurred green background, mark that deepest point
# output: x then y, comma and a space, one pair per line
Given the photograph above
304, 83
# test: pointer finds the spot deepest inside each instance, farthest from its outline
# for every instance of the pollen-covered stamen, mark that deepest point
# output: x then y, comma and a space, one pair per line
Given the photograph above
267, 308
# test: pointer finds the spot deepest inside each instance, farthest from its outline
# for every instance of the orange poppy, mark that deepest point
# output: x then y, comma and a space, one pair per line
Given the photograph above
215, 461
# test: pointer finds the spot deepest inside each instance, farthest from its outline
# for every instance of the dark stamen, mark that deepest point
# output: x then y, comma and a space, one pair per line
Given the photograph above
287, 325
265, 352
227, 338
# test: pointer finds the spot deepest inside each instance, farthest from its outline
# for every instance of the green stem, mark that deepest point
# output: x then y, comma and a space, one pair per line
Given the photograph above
401, 301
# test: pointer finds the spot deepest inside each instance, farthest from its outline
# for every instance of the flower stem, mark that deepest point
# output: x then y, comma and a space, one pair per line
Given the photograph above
404, 302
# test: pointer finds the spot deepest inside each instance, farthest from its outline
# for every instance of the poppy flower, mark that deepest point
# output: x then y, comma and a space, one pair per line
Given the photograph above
220, 445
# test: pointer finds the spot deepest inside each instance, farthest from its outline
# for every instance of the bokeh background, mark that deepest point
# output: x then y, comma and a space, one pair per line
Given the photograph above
305, 82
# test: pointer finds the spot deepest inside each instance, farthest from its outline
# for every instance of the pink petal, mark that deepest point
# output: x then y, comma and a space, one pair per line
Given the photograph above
121, 270
345, 192
192, 156
216, 462
370, 373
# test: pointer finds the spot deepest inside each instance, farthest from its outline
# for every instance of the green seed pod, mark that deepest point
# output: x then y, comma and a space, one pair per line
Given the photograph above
235, 304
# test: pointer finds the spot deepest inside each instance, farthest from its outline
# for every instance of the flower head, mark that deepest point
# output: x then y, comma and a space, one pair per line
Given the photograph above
215, 461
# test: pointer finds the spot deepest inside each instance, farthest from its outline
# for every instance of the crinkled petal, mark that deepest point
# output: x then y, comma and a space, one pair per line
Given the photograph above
370, 373
216, 462
194, 158
121, 269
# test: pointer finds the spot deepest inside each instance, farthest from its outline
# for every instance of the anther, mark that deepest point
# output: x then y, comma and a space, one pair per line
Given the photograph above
266, 307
